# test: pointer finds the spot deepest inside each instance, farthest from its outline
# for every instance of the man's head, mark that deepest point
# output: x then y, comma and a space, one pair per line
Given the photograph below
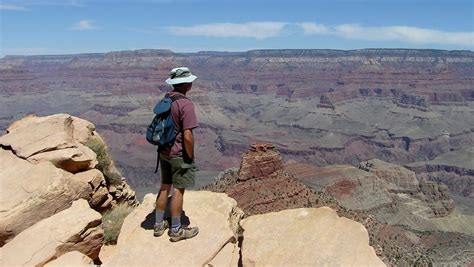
181, 78
182, 87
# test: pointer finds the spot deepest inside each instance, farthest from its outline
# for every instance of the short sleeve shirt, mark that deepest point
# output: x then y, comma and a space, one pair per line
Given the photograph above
184, 118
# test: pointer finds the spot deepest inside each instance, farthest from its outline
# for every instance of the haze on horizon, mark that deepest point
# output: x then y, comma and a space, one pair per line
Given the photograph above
32, 27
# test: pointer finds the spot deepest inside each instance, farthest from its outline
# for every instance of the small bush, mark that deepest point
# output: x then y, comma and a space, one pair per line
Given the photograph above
100, 150
112, 222
113, 177
104, 162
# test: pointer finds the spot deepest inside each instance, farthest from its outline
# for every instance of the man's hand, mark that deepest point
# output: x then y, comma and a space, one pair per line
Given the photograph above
188, 149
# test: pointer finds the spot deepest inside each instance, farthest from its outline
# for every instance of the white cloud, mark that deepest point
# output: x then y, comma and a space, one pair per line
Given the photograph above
406, 34
258, 30
313, 28
84, 25
12, 7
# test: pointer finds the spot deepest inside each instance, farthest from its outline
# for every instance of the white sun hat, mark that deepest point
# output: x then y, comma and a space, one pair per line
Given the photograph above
180, 75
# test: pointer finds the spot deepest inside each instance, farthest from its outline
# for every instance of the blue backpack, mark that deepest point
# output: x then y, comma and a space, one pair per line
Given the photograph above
161, 131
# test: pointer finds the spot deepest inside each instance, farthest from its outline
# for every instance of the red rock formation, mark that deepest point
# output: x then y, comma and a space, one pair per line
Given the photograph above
263, 186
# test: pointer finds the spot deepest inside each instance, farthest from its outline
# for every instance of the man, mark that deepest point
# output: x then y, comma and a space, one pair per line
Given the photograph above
177, 162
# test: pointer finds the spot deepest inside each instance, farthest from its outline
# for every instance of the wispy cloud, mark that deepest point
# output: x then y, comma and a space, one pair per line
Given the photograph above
313, 28
258, 30
13, 7
406, 34
84, 25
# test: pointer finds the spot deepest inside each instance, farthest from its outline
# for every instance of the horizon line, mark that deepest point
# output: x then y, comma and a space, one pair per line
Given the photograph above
169, 51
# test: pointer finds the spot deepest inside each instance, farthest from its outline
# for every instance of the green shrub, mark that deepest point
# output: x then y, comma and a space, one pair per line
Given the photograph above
104, 162
112, 222
113, 177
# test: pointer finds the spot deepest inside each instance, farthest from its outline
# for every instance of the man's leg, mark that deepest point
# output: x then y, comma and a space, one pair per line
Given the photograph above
176, 208
162, 198
162, 201
183, 177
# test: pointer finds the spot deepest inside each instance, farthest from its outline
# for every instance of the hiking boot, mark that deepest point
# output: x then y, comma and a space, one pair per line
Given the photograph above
160, 228
183, 233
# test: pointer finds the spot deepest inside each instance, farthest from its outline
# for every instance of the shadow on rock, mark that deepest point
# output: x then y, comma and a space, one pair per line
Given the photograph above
150, 219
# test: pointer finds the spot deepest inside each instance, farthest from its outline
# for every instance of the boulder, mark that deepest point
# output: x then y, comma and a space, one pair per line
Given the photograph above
77, 228
52, 138
306, 237
83, 130
215, 214
30, 193
74, 159
73, 258
32, 135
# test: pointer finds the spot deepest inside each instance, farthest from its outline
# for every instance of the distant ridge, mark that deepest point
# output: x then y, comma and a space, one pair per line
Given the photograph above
263, 53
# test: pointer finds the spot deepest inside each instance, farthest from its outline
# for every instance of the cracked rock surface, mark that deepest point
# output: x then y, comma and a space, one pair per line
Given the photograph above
77, 228
215, 214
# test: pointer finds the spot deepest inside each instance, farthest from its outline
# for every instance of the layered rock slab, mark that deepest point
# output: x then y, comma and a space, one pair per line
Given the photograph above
52, 138
306, 237
73, 258
74, 229
215, 214
30, 193
45, 165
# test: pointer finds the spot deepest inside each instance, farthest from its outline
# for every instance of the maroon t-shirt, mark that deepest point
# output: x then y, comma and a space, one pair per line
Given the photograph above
184, 117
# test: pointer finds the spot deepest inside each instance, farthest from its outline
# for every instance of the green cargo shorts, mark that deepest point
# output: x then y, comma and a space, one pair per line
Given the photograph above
175, 171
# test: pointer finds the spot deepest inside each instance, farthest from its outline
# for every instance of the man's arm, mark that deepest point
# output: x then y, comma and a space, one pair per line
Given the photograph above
188, 145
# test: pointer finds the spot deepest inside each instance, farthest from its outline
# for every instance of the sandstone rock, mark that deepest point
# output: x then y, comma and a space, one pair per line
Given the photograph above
107, 202
260, 161
74, 229
73, 258
353, 188
74, 159
227, 256
83, 130
215, 214
30, 193
261, 185
99, 197
51, 138
399, 178
112, 189
306, 237
435, 197
93, 177
33, 135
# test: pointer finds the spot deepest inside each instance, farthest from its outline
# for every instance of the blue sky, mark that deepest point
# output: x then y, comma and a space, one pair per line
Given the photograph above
78, 26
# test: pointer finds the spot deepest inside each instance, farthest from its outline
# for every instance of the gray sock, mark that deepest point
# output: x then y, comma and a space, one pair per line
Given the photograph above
175, 223
159, 214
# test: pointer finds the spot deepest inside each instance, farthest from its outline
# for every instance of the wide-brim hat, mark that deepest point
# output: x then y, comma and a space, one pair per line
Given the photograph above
180, 75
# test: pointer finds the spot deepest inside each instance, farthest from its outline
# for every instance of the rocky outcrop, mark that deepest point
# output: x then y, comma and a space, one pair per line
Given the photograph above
51, 139
261, 185
353, 188
45, 165
216, 215
401, 180
31, 193
77, 228
306, 237
222, 242
411, 101
73, 258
